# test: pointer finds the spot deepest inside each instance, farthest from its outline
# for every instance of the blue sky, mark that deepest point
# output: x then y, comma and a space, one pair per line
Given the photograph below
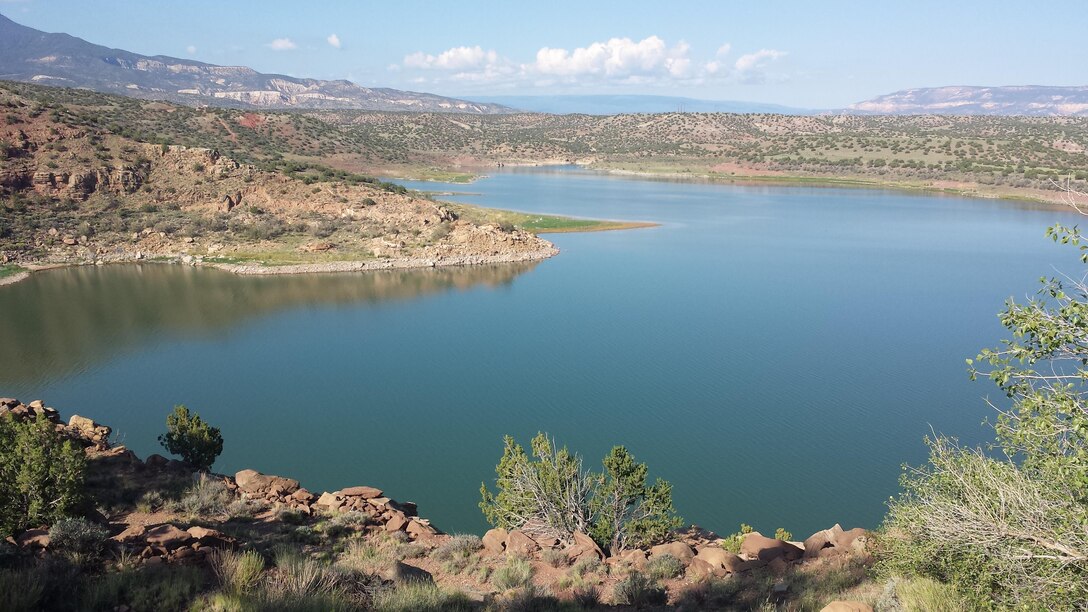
799, 53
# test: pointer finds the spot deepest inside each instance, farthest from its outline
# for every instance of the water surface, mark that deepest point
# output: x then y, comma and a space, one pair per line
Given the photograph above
776, 353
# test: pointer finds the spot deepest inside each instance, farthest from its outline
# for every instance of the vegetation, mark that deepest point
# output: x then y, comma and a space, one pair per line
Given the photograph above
41, 474
1011, 531
551, 491
189, 437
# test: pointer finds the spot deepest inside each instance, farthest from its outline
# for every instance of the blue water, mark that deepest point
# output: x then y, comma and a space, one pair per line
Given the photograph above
777, 353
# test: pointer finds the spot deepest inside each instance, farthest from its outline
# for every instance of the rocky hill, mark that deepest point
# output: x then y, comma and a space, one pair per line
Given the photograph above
1028, 100
73, 192
34, 56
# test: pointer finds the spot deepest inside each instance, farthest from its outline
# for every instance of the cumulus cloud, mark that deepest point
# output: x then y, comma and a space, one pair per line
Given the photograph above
457, 58
650, 61
191, 49
282, 44
333, 40
618, 58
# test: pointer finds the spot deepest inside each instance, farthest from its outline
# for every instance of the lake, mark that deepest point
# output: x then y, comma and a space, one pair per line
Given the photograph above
777, 353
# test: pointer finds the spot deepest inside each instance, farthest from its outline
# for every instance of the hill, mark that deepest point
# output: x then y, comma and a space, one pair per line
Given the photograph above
34, 56
620, 104
1029, 100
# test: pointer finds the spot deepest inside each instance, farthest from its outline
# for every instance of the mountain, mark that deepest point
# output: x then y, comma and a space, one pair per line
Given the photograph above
61, 60
620, 104
960, 100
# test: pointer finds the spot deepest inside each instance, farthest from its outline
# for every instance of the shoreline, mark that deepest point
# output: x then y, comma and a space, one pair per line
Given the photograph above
329, 267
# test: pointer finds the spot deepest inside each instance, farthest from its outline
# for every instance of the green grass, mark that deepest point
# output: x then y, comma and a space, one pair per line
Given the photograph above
538, 224
7, 270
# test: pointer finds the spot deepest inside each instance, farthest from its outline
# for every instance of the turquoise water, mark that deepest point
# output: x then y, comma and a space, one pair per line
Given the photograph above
777, 353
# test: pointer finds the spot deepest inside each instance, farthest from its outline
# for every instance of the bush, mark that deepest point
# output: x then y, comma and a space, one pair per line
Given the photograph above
732, 542
78, 539
418, 596
165, 589
616, 507
208, 497
515, 573
41, 474
237, 572
188, 436
663, 567
638, 590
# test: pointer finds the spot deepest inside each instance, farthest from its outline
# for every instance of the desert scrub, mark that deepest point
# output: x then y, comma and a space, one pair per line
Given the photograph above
151, 501
663, 567
638, 590
8, 269
208, 497
78, 539
515, 573
167, 589
732, 542
419, 596
555, 557
345, 523
458, 553
237, 572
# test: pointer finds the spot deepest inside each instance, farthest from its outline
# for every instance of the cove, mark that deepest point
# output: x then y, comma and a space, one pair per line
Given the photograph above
777, 353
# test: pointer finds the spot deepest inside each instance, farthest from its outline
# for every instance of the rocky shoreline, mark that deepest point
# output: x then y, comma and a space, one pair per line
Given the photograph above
164, 539
331, 267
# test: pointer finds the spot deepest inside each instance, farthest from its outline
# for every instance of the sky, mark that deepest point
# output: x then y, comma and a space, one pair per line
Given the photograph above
808, 54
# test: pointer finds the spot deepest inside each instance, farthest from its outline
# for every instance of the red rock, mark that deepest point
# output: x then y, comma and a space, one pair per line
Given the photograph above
681, 551
364, 492
517, 543
132, 533
167, 536
495, 541
755, 545
36, 538
397, 523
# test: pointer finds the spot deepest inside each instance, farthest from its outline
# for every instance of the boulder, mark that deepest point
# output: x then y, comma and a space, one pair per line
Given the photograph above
156, 461
847, 539
820, 540
400, 573
330, 501
398, 522
635, 557
131, 534
517, 543
583, 548
35, 538
213, 538
847, 606
720, 558
304, 496
700, 569
167, 536
757, 546
495, 541
681, 551
417, 528
364, 492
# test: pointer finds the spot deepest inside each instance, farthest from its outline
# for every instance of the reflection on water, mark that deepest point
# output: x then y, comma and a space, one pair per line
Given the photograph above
60, 321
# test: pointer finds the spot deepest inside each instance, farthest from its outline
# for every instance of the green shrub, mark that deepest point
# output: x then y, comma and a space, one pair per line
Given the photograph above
782, 534
237, 572
732, 542
167, 589
78, 539
663, 567
616, 507
41, 474
555, 557
515, 573
639, 591
188, 436
21, 590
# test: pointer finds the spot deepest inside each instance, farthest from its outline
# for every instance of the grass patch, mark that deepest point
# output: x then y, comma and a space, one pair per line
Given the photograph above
7, 270
538, 224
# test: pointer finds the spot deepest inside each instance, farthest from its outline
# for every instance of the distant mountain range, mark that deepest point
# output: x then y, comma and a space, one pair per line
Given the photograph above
1016, 100
62, 60
34, 56
617, 104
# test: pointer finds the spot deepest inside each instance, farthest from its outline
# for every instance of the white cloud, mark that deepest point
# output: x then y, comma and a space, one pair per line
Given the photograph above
333, 40
282, 44
457, 58
191, 49
759, 59
618, 61
615, 59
